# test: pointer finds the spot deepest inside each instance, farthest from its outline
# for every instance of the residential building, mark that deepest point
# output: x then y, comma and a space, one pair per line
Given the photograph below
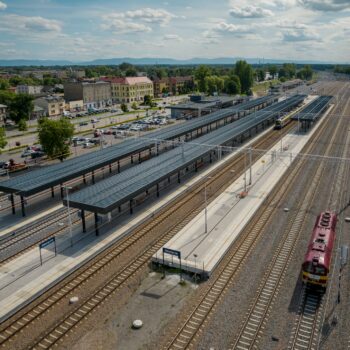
161, 86
173, 85
38, 112
29, 89
77, 74
53, 106
130, 89
181, 85
3, 111
75, 106
94, 94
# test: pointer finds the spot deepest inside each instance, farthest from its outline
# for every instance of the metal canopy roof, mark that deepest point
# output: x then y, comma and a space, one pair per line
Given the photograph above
312, 111
116, 190
44, 178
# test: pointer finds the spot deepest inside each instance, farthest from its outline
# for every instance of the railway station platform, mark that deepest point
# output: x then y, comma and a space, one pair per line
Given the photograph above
202, 243
23, 279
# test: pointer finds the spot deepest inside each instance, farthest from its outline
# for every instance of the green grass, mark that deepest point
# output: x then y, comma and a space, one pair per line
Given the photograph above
264, 87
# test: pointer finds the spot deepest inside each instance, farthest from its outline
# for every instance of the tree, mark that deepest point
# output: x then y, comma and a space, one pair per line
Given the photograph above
21, 107
214, 84
200, 74
287, 71
4, 84
244, 71
131, 72
273, 70
232, 84
55, 136
134, 106
7, 97
124, 107
260, 74
22, 125
3, 141
305, 73
147, 100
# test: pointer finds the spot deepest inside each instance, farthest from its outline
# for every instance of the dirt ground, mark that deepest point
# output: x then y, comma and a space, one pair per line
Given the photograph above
155, 302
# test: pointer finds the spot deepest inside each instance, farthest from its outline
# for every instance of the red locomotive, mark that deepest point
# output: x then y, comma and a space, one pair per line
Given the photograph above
317, 262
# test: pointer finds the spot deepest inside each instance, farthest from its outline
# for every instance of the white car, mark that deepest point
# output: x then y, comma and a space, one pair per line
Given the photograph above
135, 127
88, 144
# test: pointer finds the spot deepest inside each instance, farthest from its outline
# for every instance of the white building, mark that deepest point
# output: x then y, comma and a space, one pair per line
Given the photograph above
29, 89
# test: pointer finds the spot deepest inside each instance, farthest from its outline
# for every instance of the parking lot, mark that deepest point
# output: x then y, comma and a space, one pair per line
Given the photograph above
100, 137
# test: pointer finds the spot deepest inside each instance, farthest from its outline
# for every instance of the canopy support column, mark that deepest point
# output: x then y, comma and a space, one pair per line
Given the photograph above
131, 209
96, 224
83, 220
13, 204
22, 205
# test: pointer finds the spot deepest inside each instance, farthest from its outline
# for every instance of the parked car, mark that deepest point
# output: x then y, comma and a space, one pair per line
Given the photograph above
37, 154
88, 144
94, 120
107, 132
27, 153
83, 123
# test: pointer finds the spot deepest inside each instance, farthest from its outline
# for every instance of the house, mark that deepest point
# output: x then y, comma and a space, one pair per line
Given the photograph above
53, 106
161, 86
173, 85
181, 85
29, 89
130, 89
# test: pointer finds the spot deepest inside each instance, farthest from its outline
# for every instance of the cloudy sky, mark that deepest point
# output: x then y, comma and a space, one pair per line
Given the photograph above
89, 29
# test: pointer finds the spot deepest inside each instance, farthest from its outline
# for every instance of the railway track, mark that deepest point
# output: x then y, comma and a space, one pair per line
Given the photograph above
268, 290
174, 217
25, 238
186, 336
308, 322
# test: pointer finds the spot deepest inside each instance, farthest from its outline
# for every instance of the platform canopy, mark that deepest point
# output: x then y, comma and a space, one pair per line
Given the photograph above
108, 194
42, 179
313, 110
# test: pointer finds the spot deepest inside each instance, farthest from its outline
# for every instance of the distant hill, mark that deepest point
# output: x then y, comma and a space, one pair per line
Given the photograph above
150, 61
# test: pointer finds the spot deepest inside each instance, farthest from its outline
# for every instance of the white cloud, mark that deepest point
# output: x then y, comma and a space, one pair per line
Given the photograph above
174, 37
300, 35
23, 25
148, 15
275, 4
250, 12
232, 28
326, 5
3, 6
121, 26
40, 24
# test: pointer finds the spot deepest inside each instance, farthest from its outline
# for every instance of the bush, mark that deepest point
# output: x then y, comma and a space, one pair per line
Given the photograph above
124, 107
22, 125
